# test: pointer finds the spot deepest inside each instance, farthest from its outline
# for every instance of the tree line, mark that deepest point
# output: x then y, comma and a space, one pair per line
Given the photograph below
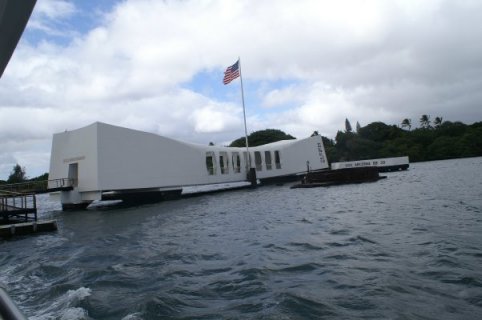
18, 175
437, 140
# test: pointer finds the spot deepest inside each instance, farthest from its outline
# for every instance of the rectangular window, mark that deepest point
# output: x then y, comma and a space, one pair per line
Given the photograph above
223, 162
258, 161
236, 160
277, 160
210, 163
267, 159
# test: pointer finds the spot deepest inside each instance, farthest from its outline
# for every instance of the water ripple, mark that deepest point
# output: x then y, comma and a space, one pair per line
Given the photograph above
407, 247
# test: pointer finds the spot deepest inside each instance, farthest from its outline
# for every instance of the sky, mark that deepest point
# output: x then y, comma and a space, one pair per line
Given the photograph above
307, 65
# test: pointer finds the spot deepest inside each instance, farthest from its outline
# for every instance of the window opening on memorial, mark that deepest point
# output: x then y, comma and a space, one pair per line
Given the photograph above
277, 160
267, 160
236, 162
210, 162
223, 162
258, 161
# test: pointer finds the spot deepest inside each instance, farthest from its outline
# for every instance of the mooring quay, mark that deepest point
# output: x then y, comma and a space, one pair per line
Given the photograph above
18, 206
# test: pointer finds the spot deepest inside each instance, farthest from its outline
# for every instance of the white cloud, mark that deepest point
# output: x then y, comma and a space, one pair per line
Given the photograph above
317, 63
47, 15
54, 9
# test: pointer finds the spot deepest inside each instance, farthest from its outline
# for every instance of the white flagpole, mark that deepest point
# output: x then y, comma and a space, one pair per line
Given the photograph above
244, 114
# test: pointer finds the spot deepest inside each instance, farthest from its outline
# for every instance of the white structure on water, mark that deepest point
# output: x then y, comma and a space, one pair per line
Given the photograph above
383, 165
110, 162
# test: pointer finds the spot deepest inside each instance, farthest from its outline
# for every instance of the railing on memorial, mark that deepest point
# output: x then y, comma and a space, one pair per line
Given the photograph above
42, 186
17, 207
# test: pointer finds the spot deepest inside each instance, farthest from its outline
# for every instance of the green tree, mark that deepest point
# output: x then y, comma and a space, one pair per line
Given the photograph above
471, 141
438, 122
379, 131
348, 126
407, 123
444, 147
261, 137
42, 177
358, 127
17, 175
422, 136
448, 128
330, 149
378, 140
425, 121
350, 146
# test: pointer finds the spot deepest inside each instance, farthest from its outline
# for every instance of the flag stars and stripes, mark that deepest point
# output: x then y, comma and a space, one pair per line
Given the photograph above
231, 73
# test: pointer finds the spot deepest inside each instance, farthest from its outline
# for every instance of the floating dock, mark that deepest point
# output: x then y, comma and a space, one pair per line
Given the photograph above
341, 176
24, 228
383, 165
17, 207
18, 215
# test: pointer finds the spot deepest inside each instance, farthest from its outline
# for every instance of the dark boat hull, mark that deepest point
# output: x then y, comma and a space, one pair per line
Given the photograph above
340, 176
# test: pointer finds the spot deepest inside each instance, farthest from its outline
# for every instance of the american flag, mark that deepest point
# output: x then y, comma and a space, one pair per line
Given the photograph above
231, 73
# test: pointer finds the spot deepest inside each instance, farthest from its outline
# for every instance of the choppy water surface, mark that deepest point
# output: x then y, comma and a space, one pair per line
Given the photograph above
407, 247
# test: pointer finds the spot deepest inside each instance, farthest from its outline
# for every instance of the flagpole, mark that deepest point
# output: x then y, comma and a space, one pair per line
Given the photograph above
244, 115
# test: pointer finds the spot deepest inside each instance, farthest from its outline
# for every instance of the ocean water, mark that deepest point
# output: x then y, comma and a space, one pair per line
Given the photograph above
406, 247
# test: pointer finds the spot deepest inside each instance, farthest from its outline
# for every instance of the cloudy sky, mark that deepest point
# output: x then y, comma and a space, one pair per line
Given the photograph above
307, 65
